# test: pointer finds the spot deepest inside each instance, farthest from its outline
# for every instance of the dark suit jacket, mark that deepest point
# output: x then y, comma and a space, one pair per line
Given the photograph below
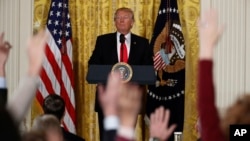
67, 136
105, 52
109, 135
3, 96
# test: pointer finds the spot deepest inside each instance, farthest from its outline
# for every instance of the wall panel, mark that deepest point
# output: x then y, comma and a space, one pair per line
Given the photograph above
231, 57
16, 22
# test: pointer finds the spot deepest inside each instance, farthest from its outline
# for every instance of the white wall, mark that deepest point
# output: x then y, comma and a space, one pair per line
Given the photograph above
16, 21
247, 81
231, 55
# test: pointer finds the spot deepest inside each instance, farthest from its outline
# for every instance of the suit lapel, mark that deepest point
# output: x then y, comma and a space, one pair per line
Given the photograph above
113, 44
132, 53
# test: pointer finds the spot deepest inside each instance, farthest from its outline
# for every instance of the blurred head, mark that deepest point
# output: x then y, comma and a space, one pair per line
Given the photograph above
50, 125
55, 105
124, 20
238, 113
34, 136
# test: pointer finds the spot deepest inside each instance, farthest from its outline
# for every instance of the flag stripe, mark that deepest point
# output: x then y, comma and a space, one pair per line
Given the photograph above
68, 85
65, 126
158, 61
68, 120
52, 61
43, 90
49, 71
68, 104
46, 79
69, 51
67, 62
39, 97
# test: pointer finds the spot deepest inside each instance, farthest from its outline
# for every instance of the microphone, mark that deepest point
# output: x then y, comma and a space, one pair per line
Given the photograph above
122, 38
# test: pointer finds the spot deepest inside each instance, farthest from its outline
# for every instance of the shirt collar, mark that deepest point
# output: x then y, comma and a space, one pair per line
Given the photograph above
127, 36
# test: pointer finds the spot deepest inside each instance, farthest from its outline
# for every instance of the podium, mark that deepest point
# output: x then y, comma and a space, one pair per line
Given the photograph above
142, 74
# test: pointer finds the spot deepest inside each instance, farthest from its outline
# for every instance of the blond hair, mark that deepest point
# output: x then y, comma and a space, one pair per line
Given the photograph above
46, 122
125, 9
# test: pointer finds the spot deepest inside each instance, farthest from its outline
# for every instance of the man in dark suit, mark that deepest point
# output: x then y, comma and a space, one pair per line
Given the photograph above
55, 105
108, 49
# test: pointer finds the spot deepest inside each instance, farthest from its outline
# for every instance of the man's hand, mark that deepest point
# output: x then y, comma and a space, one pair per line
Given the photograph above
108, 97
159, 124
129, 104
36, 52
4, 53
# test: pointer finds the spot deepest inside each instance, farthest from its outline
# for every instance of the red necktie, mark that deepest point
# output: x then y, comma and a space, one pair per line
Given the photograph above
123, 53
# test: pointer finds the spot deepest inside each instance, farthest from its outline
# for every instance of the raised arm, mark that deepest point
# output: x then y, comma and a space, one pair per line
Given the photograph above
209, 34
129, 106
4, 53
26, 91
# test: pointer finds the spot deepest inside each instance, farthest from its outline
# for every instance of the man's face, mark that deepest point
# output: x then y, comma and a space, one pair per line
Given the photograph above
123, 21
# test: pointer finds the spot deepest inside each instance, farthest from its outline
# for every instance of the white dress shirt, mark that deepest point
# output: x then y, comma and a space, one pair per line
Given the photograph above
2, 82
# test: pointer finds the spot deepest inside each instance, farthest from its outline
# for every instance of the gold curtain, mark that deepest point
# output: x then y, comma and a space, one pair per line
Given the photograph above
189, 11
90, 18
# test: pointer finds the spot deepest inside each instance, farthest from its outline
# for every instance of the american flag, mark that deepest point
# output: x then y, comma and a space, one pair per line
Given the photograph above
57, 72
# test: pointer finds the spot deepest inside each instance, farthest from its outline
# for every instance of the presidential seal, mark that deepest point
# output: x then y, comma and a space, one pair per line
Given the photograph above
125, 71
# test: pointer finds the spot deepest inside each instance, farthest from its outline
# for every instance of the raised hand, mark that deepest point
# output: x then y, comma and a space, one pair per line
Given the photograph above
129, 104
4, 53
159, 124
108, 97
209, 33
36, 52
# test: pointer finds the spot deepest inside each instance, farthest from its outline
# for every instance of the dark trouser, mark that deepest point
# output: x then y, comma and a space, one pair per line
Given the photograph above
100, 114
100, 121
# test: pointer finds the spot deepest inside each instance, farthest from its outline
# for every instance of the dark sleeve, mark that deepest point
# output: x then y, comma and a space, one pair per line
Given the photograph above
67, 136
81, 139
209, 118
148, 57
3, 96
78, 138
96, 56
109, 135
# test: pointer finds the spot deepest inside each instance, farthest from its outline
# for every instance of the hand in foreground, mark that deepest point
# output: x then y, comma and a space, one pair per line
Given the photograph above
129, 104
159, 124
4, 53
209, 33
108, 97
36, 52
